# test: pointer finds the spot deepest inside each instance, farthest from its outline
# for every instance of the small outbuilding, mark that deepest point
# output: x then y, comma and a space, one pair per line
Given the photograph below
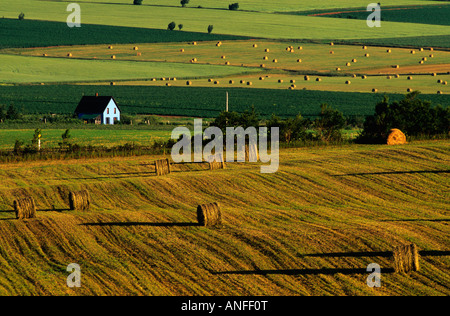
98, 109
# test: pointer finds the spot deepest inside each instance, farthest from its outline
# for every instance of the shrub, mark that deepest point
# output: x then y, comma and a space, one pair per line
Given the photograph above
180, 26
21, 16
233, 6
210, 28
137, 2
171, 26
329, 124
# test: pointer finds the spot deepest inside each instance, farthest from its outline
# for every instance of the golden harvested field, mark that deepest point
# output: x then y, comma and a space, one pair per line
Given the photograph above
309, 229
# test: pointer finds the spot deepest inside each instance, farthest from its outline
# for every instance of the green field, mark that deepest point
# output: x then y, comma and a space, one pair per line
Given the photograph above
312, 228
242, 23
196, 101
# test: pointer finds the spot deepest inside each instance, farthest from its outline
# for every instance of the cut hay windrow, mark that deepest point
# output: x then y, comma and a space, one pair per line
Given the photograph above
162, 167
25, 207
396, 137
79, 201
209, 214
406, 258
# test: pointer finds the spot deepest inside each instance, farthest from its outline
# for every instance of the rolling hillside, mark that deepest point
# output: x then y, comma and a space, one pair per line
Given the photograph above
309, 229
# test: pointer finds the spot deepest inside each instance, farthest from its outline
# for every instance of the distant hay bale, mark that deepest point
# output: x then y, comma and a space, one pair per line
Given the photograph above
410, 78
69, 55
364, 77
299, 60
292, 81
262, 66
421, 62
189, 83
261, 78
306, 78
439, 92
135, 48
409, 90
354, 60
162, 167
223, 57
389, 51
300, 48
79, 201
366, 55
433, 74
265, 58
396, 66
267, 50
424, 58
216, 162
421, 49
364, 47
353, 76
110, 47
439, 81
406, 258
168, 84
209, 214
347, 64
444, 83
249, 83
396, 137
182, 50
431, 49
413, 52
331, 52
227, 63
210, 80
25, 207
275, 60
397, 76
431, 55
374, 90
318, 79
255, 45
112, 83
388, 77
348, 82
338, 69
194, 59
216, 82
138, 54
251, 152
280, 80
194, 43
113, 57
331, 44
242, 81
45, 55
293, 86
231, 82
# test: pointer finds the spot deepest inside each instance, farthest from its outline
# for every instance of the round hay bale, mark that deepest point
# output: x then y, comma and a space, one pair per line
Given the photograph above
424, 58
354, 60
163, 79
69, 55
210, 80
45, 55
135, 48
431, 49
306, 78
153, 79
433, 74
231, 82
292, 81
112, 83
366, 55
194, 43
261, 78
280, 80
444, 83
113, 57
421, 62
275, 60
293, 86
421, 49
209, 214
389, 51
431, 55
216, 82
409, 90
223, 57
348, 64
439, 92
363, 77
397, 76
227, 63
265, 58
194, 59
396, 137
439, 81
24, 207
374, 90
182, 50
318, 79
262, 66
299, 60
242, 81
348, 82
255, 45
413, 52
406, 258
388, 77
249, 83
396, 66
364, 47
110, 47
79, 201
338, 69
300, 48
331, 52
168, 84
267, 50
410, 78
189, 83
331, 44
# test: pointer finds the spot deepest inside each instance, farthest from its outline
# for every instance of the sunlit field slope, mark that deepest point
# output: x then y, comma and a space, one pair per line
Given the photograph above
309, 229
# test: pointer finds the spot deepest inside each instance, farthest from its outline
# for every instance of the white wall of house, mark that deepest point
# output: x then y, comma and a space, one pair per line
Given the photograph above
111, 113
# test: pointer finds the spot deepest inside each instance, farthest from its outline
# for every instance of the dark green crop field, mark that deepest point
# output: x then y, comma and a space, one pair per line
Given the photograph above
32, 33
196, 101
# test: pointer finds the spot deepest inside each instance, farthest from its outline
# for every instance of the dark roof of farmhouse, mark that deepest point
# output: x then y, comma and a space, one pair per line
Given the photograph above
93, 104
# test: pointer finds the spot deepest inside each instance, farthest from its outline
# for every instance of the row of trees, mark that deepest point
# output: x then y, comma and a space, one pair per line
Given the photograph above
412, 116
9, 113
172, 25
233, 6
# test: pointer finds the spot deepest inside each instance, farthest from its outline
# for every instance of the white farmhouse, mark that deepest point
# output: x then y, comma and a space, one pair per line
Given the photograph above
98, 110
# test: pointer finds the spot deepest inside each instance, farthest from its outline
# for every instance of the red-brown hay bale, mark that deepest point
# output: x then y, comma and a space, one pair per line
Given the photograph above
162, 167
80, 201
396, 137
209, 215
406, 258
25, 207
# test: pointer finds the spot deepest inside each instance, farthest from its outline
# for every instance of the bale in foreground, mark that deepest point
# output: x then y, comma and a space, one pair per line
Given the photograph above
406, 258
209, 214
25, 208
396, 137
80, 201
162, 167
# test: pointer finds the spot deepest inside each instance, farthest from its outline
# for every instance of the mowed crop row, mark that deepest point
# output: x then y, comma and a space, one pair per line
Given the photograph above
303, 230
